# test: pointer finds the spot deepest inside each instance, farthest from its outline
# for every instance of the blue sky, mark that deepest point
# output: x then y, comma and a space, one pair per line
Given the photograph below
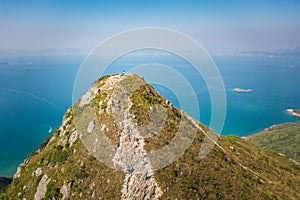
240, 25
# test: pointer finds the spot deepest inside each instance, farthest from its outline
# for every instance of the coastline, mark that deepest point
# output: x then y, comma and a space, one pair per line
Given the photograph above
266, 129
281, 138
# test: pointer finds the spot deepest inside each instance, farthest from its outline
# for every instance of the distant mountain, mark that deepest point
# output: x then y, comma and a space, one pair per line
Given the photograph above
45, 52
66, 165
215, 50
282, 138
277, 53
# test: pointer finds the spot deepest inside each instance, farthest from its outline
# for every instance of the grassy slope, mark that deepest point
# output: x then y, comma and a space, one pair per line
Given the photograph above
67, 165
218, 176
282, 138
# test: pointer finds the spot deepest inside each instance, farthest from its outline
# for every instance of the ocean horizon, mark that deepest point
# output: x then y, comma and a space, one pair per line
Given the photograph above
35, 92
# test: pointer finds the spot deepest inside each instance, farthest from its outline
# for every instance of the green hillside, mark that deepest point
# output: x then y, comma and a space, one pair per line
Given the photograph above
282, 138
64, 167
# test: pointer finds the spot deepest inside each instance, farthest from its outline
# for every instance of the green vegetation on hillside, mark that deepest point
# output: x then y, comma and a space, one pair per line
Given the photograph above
281, 138
234, 169
72, 166
221, 174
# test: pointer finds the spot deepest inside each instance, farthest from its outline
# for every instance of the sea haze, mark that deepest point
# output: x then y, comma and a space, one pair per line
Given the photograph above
36, 91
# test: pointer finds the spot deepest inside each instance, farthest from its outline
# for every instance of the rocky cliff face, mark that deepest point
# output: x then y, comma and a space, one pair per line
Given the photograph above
112, 144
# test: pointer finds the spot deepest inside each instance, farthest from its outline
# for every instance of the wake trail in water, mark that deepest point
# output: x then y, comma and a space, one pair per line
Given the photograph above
33, 96
50, 129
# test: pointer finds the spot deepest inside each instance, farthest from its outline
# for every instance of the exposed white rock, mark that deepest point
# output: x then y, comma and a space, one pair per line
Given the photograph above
73, 137
64, 141
37, 172
91, 126
65, 191
42, 188
112, 80
168, 103
92, 185
103, 127
139, 181
96, 90
18, 173
87, 97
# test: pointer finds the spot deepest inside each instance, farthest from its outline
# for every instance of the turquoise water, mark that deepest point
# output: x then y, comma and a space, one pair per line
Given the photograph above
32, 102
276, 87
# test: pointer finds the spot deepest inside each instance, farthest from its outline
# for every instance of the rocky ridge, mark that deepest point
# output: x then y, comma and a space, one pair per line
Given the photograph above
68, 164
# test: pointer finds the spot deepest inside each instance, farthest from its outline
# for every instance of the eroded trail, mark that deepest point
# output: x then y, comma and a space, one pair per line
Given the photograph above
139, 182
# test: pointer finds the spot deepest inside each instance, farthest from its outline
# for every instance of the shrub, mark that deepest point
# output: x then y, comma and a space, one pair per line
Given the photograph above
53, 192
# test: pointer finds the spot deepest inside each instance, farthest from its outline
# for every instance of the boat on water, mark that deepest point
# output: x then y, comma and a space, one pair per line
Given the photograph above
50, 129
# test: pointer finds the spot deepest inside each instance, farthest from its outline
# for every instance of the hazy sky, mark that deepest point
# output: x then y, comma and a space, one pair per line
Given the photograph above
242, 25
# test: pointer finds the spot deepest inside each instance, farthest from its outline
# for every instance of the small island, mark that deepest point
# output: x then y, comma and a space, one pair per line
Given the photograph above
242, 90
293, 112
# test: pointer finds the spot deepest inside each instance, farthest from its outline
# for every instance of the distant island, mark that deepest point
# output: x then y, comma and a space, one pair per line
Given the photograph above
3, 63
293, 112
80, 175
292, 53
242, 90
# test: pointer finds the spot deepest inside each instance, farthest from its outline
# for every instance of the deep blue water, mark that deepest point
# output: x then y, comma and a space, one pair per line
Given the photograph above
34, 101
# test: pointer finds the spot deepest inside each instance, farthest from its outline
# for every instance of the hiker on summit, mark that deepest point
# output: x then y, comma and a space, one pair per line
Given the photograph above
145, 176
129, 169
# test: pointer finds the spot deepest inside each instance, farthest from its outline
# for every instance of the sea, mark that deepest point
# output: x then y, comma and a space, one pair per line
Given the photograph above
35, 92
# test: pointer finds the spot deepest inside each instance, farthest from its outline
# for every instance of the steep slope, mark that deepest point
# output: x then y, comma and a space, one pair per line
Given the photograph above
282, 138
67, 165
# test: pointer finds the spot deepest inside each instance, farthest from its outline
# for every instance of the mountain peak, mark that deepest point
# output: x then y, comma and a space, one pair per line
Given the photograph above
122, 140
